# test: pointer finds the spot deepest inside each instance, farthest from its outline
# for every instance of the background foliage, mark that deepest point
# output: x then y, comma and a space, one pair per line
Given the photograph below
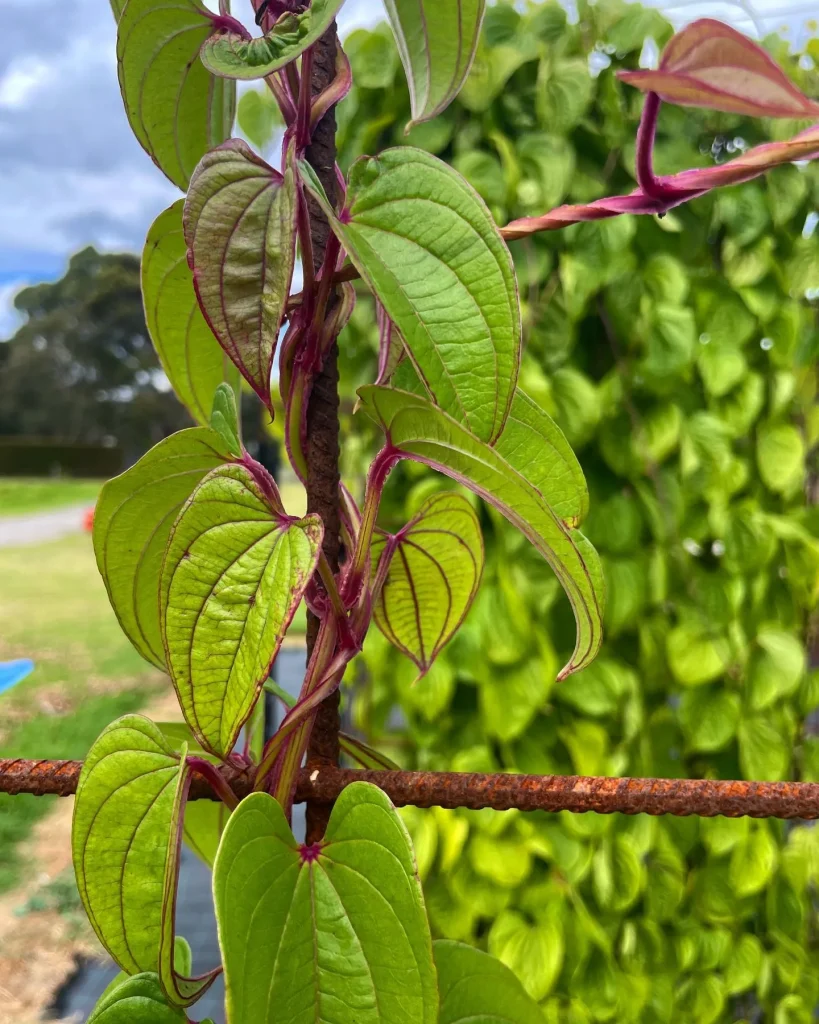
678, 355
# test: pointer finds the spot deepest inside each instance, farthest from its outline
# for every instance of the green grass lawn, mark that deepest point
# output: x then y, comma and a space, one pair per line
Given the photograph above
20, 496
54, 609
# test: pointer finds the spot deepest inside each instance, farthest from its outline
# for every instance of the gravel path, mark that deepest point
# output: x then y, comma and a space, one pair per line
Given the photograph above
20, 531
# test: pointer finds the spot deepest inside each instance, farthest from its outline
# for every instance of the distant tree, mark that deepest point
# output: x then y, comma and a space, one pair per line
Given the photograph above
81, 367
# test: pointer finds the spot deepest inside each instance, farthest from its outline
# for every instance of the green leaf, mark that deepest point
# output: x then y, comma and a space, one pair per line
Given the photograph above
124, 847
696, 654
780, 455
764, 753
258, 116
753, 862
187, 349
435, 568
233, 55
437, 43
427, 435
510, 697
332, 932
776, 669
137, 1000
234, 573
224, 419
411, 220
533, 952
132, 523
475, 987
709, 718
175, 108
721, 367
240, 227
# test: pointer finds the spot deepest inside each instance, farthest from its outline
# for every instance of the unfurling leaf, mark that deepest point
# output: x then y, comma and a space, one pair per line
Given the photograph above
240, 227
427, 246
176, 109
124, 846
137, 1000
234, 574
709, 64
435, 568
189, 353
331, 932
224, 419
427, 435
132, 523
475, 987
437, 43
232, 53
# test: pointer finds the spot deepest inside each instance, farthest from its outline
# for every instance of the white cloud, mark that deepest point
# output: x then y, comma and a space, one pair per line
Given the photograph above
22, 80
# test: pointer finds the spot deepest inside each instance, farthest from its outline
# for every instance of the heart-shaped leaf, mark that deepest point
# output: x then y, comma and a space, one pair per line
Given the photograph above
709, 64
189, 353
124, 846
331, 932
427, 435
435, 566
132, 523
475, 988
234, 574
232, 52
240, 227
437, 43
137, 1000
177, 110
427, 246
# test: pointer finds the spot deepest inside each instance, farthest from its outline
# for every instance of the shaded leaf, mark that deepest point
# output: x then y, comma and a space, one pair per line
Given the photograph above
175, 108
232, 53
258, 116
411, 220
137, 1000
390, 347
240, 227
187, 349
474, 986
335, 931
435, 568
124, 846
427, 435
132, 523
234, 573
709, 64
437, 43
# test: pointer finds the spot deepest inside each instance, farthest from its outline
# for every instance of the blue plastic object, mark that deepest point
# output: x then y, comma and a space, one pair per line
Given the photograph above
13, 672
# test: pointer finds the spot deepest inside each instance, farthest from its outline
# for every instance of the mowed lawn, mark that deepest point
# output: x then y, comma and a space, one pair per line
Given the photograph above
54, 609
20, 496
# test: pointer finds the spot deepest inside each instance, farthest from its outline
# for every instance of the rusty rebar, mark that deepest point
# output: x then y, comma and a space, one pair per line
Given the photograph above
681, 797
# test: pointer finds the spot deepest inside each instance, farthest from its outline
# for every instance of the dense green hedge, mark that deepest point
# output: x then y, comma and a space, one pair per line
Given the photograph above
679, 357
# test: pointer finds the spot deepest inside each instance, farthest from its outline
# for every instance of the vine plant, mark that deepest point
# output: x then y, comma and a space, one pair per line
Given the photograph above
205, 567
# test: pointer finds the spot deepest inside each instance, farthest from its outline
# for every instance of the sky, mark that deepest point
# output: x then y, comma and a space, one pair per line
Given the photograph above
73, 175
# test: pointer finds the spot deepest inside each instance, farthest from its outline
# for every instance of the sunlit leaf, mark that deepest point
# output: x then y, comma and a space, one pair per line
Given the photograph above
427, 435
427, 246
224, 419
137, 1000
331, 932
187, 349
474, 986
709, 64
176, 109
240, 227
234, 574
233, 53
437, 43
132, 523
124, 846
435, 568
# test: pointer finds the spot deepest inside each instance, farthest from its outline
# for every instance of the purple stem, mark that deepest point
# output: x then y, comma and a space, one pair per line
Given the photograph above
210, 772
652, 186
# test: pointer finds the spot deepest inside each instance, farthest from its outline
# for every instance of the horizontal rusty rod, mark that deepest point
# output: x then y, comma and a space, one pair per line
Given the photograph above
703, 797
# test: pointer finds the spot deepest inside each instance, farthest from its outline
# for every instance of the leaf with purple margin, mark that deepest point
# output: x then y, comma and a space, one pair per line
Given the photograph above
132, 523
437, 43
240, 228
429, 436
125, 849
234, 573
175, 107
232, 53
435, 567
190, 355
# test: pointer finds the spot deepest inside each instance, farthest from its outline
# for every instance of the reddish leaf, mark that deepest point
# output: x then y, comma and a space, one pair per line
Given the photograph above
709, 64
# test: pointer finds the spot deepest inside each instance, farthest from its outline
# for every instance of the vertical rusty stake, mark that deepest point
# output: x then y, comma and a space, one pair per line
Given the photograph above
322, 424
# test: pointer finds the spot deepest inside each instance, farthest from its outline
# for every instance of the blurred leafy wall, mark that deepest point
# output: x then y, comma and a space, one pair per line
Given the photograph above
679, 356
